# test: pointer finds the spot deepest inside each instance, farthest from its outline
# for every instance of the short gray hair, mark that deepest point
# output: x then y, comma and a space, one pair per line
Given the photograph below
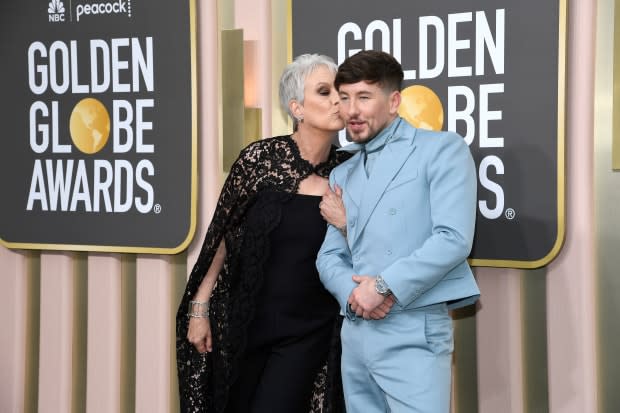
294, 77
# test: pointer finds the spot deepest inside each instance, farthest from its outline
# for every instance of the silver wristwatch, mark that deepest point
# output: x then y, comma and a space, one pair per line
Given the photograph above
381, 286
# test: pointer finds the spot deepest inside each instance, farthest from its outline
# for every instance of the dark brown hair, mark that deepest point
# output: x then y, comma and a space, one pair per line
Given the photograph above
373, 67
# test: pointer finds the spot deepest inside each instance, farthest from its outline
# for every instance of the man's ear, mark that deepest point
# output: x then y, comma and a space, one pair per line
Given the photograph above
395, 98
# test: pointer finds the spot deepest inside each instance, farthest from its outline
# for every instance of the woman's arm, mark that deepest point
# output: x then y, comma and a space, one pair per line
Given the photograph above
199, 330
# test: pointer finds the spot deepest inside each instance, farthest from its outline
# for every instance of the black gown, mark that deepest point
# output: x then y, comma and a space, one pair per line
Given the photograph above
272, 168
290, 334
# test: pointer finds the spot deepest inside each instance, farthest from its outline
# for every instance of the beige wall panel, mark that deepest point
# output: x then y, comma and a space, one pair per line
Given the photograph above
209, 161
104, 327
13, 296
570, 281
254, 16
55, 354
500, 372
153, 331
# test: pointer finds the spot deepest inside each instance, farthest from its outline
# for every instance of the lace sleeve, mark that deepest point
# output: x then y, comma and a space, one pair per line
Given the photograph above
231, 206
237, 192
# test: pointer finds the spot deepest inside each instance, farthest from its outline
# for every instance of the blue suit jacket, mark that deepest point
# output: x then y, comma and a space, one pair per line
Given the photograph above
412, 221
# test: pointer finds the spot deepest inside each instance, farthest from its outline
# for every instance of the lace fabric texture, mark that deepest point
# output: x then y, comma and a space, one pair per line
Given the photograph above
273, 165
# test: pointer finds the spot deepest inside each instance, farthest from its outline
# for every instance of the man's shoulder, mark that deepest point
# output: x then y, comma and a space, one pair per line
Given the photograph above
405, 128
442, 137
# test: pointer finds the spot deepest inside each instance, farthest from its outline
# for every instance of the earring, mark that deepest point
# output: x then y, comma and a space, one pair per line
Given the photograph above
300, 119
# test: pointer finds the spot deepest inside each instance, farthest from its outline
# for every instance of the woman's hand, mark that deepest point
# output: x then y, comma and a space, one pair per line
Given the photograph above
332, 208
199, 334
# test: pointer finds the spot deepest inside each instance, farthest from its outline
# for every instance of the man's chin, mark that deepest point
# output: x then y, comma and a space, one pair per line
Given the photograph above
358, 138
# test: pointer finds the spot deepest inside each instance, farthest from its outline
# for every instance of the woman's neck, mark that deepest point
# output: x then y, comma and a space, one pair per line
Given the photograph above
313, 146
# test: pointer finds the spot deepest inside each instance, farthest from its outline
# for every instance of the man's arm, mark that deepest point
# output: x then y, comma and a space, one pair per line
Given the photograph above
452, 190
336, 267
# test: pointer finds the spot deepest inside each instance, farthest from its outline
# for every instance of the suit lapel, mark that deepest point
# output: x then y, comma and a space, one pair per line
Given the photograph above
355, 184
356, 179
390, 161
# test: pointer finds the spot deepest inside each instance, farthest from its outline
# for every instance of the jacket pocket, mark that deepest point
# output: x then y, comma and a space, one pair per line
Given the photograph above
438, 331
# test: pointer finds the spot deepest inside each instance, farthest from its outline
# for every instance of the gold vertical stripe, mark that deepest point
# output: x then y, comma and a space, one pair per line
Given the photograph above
289, 30
253, 125
226, 14
465, 360
232, 95
615, 148
534, 340
80, 332
282, 54
128, 334
33, 322
607, 221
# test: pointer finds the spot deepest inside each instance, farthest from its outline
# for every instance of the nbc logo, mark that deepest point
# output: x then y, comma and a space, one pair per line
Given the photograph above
56, 11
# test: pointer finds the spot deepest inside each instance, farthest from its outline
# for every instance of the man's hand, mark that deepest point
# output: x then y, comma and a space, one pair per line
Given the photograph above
366, 302
383, 309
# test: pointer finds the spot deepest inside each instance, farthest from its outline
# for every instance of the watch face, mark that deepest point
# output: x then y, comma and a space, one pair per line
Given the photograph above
381, 287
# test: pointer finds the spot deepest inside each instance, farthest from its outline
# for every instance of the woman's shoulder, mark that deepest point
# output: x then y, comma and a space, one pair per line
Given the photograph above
265, 147
270, 142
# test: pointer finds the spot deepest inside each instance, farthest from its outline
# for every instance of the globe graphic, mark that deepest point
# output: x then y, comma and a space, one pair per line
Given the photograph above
89, 125
421, 107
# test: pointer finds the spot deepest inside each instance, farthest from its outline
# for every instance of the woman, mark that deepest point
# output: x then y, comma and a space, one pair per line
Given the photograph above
260, 322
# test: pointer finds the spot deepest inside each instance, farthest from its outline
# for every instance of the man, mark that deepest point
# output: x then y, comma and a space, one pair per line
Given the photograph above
410, 197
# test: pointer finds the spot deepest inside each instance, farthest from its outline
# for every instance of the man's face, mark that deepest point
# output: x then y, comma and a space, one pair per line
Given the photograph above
367, 109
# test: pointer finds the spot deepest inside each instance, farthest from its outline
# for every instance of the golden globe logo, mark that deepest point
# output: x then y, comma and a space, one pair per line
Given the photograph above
89, 126
65, 182
421, 107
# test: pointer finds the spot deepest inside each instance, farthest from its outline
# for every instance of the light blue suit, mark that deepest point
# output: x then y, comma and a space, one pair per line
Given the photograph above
412, 221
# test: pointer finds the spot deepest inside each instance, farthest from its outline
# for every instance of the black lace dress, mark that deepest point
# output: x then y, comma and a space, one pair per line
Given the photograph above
273, 168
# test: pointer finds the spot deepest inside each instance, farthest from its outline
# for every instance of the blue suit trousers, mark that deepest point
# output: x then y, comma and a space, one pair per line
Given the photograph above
401, 363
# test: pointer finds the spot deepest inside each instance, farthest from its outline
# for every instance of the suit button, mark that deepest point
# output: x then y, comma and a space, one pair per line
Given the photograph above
352, 224
392, 211
389, 252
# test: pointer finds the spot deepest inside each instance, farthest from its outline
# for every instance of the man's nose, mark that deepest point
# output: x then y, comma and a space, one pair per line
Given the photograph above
352, 107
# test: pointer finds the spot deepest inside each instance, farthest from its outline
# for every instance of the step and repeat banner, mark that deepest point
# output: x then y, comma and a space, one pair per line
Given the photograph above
494, 72
98, 109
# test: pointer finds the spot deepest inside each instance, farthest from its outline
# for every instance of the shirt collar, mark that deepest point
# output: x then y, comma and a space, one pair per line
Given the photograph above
376, 143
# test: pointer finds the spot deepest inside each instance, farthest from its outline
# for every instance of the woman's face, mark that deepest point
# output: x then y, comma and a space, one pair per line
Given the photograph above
321, 101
